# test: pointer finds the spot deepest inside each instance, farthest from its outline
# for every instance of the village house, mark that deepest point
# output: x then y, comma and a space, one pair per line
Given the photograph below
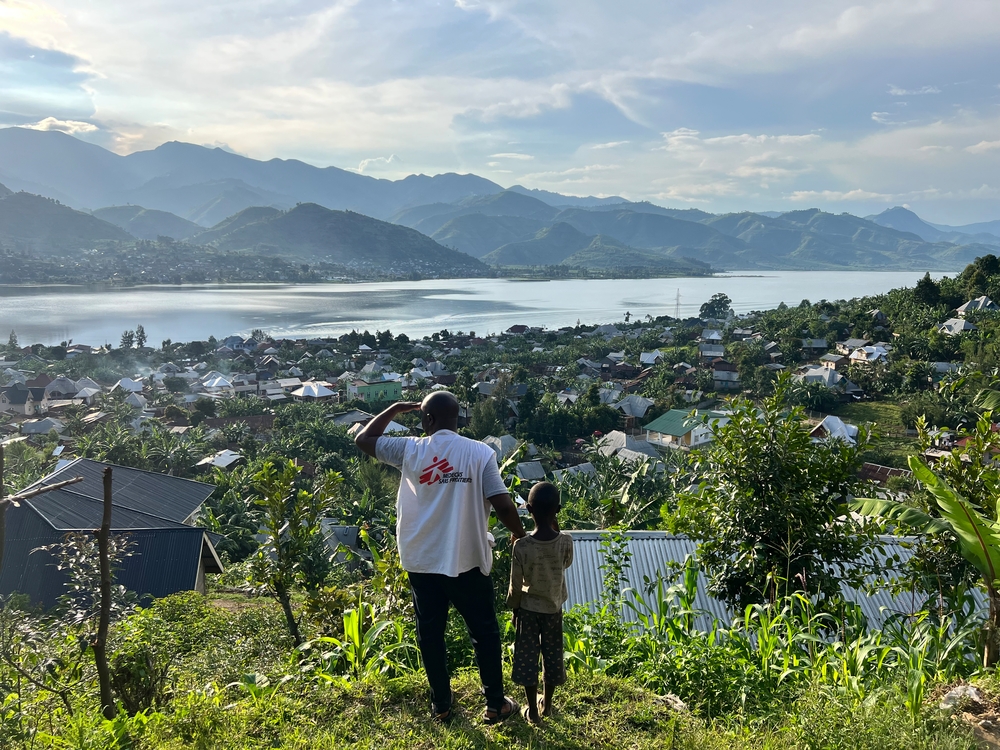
677, 428
710, 336
711, 351
725, 375
156, 511
979, 304
376, 390
834, 361
827, 377
848, 346
813, 347
956, 326
869, 355
20, 399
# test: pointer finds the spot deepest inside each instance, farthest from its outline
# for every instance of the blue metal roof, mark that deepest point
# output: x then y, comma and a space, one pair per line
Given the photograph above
141, 499
654, 552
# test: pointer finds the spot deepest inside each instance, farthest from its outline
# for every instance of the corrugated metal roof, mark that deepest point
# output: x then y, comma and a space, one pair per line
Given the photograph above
141, 499
653, 552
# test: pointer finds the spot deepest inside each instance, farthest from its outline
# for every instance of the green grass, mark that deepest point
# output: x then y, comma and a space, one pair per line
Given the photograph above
592, 711
882, 413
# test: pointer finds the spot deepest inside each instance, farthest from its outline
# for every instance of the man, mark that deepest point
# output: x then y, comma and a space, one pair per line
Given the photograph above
448, 486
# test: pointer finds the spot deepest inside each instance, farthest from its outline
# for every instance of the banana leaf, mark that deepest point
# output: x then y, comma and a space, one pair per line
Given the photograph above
904, 514
978, 536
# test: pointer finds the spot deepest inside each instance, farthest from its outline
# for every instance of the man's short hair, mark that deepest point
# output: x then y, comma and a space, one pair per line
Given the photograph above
544, 499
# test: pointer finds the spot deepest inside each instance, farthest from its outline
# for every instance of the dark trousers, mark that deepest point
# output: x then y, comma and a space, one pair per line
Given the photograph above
472, 594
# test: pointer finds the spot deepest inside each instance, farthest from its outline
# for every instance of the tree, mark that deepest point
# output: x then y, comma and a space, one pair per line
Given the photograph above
127, 340
294, 553
140, 336
927, 291
719, 306
12, 342
768, 507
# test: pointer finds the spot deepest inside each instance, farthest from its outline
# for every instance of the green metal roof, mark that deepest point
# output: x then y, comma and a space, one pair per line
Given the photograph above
676, 422
679, 422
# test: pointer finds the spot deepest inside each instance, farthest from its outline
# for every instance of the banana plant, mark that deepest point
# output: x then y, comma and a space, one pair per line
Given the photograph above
978, 538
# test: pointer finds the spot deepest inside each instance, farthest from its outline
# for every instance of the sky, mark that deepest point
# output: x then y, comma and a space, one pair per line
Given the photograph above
723, 105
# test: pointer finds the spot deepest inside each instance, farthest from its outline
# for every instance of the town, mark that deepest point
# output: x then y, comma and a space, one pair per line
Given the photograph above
234, 471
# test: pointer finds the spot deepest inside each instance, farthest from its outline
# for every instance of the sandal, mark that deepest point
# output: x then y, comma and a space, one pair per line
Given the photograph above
499, 714
526, 715
443, 717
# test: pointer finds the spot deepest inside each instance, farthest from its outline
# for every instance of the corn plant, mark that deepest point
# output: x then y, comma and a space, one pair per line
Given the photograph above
362, 652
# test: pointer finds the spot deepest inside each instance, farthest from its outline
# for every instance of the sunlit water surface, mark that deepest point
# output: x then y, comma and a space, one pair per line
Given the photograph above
50, 314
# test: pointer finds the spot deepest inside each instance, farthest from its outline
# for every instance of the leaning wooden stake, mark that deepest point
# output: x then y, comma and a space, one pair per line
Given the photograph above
100, 644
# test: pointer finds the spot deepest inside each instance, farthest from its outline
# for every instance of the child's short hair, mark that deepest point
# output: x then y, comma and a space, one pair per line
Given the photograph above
544, 499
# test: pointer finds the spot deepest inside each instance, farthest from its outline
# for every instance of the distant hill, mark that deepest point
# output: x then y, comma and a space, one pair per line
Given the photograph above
905, 220
234, 222
5, 191
478, 234
44, 226
147, 223
430, 219
313, 233
181, 177
647, 230
549, 247
559, 200
603, 255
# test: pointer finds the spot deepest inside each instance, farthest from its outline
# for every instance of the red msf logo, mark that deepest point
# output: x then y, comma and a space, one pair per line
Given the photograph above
433, 472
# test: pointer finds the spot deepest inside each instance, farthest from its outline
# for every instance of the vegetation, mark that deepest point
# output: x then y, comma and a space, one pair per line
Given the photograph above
299, 645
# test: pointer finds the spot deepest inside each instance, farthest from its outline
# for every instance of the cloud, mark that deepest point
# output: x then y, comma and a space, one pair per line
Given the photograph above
838, 196
73, 127
610, 144
378, 161
513, 155
897, 91
983, 146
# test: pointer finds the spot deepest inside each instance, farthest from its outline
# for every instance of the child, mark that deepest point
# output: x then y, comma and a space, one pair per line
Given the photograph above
537, 592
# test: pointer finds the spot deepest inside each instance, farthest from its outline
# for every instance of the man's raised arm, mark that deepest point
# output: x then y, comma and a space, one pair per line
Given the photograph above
367, 437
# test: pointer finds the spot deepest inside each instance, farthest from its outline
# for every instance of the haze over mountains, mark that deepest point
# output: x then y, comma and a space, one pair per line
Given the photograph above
226, 202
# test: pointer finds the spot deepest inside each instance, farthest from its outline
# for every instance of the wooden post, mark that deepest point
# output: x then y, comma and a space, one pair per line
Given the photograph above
100, 644
3, 512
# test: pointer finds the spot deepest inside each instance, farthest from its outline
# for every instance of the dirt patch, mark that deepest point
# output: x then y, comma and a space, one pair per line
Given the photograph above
981, 716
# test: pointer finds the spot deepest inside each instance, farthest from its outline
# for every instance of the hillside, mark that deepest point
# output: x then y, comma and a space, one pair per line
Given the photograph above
42, 225
430, 219
5, 191
905, 220
146, 223
234, 222
549, 247
647, 230
478, 234
602, 254
313, 233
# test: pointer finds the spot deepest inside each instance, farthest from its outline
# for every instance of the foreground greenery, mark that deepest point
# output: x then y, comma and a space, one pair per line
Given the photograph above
225, 674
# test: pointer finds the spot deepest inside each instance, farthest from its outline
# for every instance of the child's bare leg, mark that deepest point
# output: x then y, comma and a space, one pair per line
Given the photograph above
546, 703
531, 703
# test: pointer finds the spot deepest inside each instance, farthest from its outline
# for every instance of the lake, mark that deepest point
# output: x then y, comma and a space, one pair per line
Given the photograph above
50, 314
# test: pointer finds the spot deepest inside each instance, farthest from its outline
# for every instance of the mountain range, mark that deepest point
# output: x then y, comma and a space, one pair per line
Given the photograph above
215, 198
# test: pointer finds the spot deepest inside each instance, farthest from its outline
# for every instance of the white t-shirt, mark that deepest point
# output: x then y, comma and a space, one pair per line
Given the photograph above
442, 516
